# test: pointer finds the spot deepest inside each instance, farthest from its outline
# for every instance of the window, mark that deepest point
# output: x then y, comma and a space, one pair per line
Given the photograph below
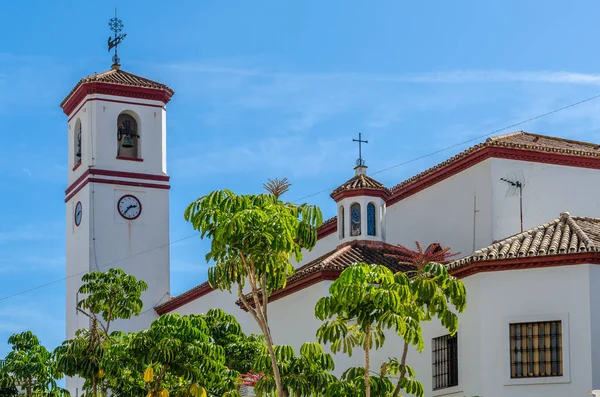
371, 219
77, 144
128, 138
341, 222
355, 219
536, 349
445, 361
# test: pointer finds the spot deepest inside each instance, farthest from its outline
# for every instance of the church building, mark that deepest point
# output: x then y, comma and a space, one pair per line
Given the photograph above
523, 209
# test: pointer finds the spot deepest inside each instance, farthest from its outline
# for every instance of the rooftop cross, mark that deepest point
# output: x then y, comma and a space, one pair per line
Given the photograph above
116, 25
360, 161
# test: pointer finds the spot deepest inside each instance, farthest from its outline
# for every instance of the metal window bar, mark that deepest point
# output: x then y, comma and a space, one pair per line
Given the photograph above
445, 361
536, 349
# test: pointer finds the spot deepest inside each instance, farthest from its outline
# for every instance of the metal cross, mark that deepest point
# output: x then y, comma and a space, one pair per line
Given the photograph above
360, 161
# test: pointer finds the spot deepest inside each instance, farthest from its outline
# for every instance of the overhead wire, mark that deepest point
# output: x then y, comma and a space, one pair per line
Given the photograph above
318, 192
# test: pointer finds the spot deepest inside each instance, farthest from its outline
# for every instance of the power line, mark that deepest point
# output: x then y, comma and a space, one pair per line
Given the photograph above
98, 267
318, 192
464, 142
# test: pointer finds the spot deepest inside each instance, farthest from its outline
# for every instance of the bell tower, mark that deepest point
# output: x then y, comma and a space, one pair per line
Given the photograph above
117, 199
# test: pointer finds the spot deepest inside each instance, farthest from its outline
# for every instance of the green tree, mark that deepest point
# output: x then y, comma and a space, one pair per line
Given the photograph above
7, 384
433, 292
352, 384
302, 376
30, 366
177, 353
109, 296
240, 349
366, 300
254, 237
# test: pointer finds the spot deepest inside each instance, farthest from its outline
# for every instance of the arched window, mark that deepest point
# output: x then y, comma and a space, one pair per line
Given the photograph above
341, 222
371, 230
128, 138
77, 144
355, 219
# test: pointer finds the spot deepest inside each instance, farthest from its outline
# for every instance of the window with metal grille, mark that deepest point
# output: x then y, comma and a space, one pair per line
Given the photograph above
536, 349
445, 361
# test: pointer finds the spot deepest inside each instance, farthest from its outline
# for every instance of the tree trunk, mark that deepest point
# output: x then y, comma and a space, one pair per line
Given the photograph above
260, 315
402, 370
368, 360
94, 386
276, 373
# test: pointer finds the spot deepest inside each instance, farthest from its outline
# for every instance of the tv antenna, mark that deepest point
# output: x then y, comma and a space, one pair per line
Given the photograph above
516, 182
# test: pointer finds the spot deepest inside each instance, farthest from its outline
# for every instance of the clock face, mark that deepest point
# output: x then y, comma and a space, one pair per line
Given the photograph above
77, 215
129, 207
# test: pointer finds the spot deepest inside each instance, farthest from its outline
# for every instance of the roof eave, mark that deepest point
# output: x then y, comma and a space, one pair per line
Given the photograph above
381, 193
522, 263
83, 89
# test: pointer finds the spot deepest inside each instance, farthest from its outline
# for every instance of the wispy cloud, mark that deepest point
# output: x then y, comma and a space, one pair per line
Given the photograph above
42, 231
468, 76
272, 153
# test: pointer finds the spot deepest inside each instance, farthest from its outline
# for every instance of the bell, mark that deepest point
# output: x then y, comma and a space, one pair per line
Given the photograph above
127, 142
78, 152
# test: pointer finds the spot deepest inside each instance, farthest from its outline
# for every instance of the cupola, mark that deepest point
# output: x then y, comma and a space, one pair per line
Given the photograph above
361, 206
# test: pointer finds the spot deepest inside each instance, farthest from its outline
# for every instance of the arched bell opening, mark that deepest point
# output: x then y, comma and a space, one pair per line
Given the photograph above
128, 136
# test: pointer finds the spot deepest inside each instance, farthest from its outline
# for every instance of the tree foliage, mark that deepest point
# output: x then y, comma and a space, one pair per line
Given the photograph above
254, 239
366, 300
30, 367
108, 296
305, 375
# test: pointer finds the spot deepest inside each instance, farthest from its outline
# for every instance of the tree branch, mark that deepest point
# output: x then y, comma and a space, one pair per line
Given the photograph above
402, 370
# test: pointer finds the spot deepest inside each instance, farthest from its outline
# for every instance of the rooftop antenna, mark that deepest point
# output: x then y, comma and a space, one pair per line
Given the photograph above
116, 25
516, 181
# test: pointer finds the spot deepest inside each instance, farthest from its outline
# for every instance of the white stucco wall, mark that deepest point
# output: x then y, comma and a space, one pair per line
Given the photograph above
104, 239
493, 300
444, 213
99, 136
221, 300
324, 245
549, 190
594, 287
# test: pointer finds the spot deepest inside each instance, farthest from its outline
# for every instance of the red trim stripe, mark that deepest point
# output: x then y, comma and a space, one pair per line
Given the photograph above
119, 174
115, 182
152, 94
114, 101
183, 299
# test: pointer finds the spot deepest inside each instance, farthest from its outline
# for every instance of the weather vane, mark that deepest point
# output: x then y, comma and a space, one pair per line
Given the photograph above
116, 25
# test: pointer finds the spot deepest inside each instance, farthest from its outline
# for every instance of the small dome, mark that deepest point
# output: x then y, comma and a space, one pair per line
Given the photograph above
361, 183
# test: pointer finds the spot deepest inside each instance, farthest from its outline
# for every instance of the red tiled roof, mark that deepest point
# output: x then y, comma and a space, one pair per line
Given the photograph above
515, 140
564, 235
186, 297
360, 182
356, 251
120, 77
334, 262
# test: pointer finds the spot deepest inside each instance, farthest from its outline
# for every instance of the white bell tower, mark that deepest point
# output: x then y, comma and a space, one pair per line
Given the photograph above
117, 200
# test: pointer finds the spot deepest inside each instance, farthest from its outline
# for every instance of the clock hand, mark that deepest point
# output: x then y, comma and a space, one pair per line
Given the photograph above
129, 207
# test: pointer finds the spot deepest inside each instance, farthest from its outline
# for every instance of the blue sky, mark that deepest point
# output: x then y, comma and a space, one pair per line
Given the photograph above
272, 89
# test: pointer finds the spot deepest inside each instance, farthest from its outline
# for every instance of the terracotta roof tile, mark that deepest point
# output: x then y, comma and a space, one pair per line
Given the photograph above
358, 251
359, 182
119, 77
344, 256
517, 140
564, 235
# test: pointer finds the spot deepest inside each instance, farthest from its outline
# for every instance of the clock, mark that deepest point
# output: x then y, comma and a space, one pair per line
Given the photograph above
129, 207
77, 214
